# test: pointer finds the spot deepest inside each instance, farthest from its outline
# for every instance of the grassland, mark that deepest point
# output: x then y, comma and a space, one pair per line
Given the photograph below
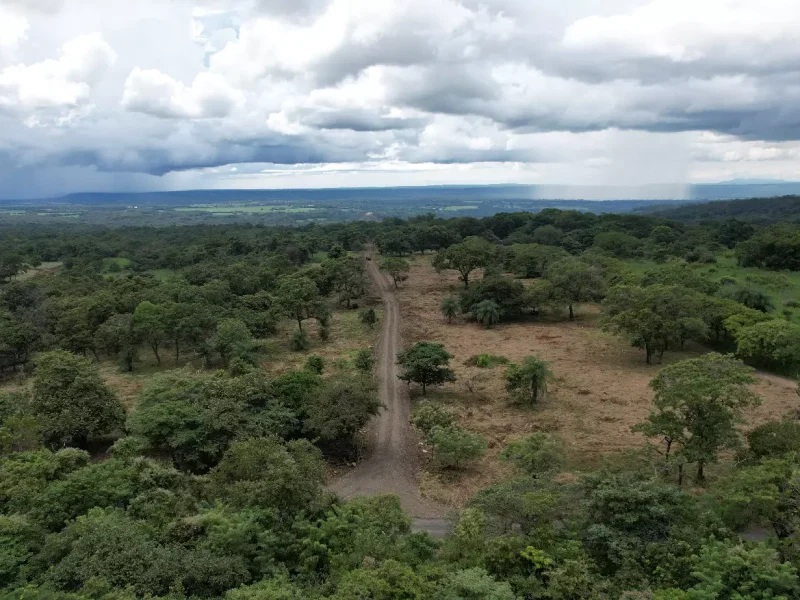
246, 208
601, 385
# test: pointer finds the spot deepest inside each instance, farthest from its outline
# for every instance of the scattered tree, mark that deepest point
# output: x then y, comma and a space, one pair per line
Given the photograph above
473, 253
426, 364
487, 313
450, 308
397, 268
528, 381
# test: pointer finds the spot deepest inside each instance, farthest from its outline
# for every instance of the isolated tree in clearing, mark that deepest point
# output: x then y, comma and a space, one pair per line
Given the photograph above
529, 380
426, 364
473, 253
450, 308
397, 268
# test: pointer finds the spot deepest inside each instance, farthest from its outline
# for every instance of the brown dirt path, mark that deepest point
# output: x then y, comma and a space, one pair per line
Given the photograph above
390, 466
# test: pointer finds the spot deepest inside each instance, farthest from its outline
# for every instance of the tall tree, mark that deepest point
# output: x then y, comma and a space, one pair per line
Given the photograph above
299, 297
699, 403
72, 402
150, 322
397, 268
575, 281
426, 363
471, 254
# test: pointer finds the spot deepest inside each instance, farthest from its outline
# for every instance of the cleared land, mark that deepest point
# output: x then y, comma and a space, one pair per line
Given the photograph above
601, 387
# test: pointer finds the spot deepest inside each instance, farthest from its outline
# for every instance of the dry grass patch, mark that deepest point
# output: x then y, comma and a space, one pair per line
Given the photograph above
601, 385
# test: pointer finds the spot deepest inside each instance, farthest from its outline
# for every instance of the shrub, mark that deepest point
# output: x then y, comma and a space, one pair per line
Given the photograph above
485, 361
364, 360
428, 415
315, 364
324, 332
528, 382
368, 317
792, 304
774, 439
299, 340
751, 298
454, 448
536, 455
487, 313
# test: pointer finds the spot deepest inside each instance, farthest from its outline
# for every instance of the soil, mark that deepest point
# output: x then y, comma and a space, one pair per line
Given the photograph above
601, 386
390, 465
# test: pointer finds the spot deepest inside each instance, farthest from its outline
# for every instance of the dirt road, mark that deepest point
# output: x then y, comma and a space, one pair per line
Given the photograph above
391, 463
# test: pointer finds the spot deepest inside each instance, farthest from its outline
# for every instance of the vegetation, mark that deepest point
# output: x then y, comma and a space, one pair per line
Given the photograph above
208, 481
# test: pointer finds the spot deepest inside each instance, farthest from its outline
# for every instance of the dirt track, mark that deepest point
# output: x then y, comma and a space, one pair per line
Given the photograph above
391, 463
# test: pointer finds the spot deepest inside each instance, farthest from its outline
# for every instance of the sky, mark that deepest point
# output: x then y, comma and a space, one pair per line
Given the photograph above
116, 95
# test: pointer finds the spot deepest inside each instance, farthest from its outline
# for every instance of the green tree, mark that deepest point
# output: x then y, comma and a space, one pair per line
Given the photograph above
232, 339
299, 297
426, 364
575, 281
699, 403
654, 318
773, 344
117, 337
364, 361
397, 268
751, 298
528, 381
537, 455
471, 254
11, 264
71, 401
532, 260
487, 313
454, 448
315, 364
450, 308
150, 322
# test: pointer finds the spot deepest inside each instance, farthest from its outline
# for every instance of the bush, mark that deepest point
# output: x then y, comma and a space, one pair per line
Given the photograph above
324, 332
454, 448
368, 317
751, 298
315, 364
485, 361
774, 344
364, 360
299, 341
792, 304
536, 455
428, 415
774, 439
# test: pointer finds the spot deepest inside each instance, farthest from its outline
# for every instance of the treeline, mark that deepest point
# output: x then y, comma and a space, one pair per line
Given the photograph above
763, 211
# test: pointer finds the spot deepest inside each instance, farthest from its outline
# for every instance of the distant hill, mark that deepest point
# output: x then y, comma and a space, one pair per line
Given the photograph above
754, 210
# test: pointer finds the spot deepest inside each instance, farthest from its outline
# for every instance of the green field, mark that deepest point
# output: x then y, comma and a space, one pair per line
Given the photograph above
234, 209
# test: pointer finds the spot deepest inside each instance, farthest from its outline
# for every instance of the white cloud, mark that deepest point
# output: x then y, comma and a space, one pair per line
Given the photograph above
62, 86
152, 92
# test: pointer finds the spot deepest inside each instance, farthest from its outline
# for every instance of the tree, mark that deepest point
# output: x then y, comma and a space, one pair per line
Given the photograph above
487, 313
773, 344
454, 448
315, 364
232, 339
426, 363
299, 297
532, 260
751, 298
529, 380
471, 254
397, 268
450, 308
340, 409
508, 294
347, 278
364, 361
11, 264
71, 401
654, 318
150, 322
368, 317
699, 402
575, 281
537, 455
117, 337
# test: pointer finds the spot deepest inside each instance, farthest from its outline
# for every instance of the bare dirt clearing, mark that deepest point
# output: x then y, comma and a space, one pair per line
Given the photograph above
601, 387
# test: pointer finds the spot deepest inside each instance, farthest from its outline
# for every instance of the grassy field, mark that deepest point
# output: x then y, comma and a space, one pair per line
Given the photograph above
780, 286
601, 385
246, 208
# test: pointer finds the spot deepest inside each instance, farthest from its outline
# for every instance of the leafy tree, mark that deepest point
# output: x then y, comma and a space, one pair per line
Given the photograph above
471, 254
347, 277
397, 268
774, 344
575, 281
529, 380
18, 339
368, 317
508, 294
364, 361
751, 298
679, 274
618, 244
117, 337
654, 318
547, 235
394, 243
150, 322
487, 313
537, 455
454, 448
532, 260
774, 439
11, 264
299, 298
450, 308
71, 401
426, 363
264, 473
340, 409
776, 248
699, 402
232, 339
428, 415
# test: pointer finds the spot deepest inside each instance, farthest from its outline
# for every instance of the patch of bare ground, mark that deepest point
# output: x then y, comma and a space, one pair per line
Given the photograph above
601, 387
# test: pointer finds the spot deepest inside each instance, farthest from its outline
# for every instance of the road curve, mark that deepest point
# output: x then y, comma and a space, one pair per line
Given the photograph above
390, 464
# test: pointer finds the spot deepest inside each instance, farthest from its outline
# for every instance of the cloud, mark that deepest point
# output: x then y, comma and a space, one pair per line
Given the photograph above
152, 92
59, 88
510, 85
